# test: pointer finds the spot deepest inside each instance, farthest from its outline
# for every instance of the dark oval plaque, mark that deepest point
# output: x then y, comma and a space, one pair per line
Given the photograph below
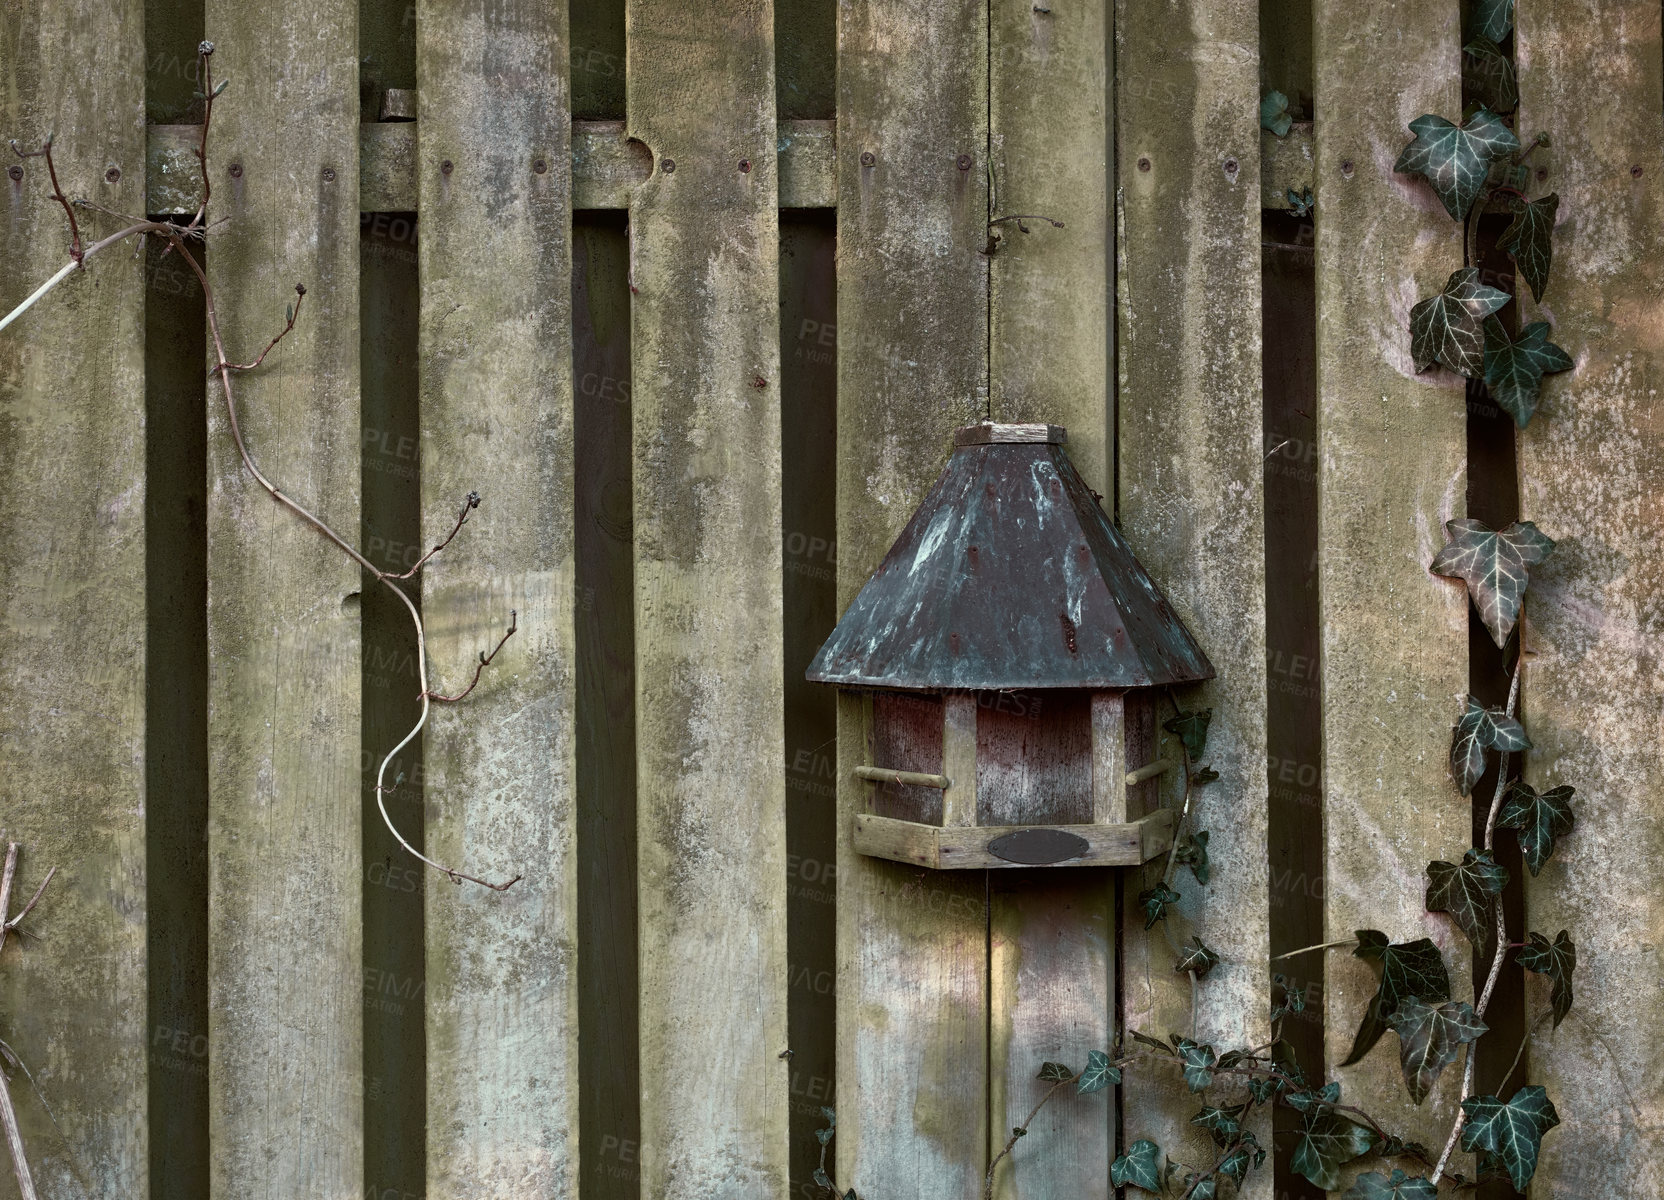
1038, 847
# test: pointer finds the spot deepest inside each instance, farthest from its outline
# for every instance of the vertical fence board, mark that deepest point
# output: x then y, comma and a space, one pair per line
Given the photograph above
1192, 498
1392, 470
285, 1006
72, 587
1052, 934
1591, 478
710, 742
497, 417
912, 357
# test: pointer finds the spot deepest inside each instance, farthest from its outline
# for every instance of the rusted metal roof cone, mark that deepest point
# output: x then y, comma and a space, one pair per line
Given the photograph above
1010, 575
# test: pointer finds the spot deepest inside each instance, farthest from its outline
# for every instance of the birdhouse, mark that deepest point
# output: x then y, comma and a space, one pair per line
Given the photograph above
1007, 653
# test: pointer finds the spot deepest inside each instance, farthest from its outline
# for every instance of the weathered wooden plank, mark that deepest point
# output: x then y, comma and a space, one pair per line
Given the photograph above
606, 166
1392, 467
1189, 429
1591, 472
285, 986
711, 789
72, 594
497, 417
912, 354
967, 847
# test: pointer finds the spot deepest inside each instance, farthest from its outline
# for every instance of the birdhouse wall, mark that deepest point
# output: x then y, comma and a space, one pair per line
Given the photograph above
906, 734
1034, 758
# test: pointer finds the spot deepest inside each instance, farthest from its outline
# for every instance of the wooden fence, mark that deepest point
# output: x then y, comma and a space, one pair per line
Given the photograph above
694, 295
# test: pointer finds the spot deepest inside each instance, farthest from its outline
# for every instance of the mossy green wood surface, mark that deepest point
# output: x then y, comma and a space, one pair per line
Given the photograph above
285, 986
1591, 477
497, 417
72, 630
1192, 504
1052, 939
1392, 468
912, 361
709, 743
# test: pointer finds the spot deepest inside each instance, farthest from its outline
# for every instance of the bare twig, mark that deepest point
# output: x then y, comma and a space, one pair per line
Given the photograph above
45, 152
13, 922
1320, 946
485, 661
293, 315
177, 237
1020, 1131
471, 502
8, 1114
14, 1143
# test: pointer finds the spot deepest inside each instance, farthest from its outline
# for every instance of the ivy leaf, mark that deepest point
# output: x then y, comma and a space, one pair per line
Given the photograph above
1193, 853
1274, 114
1492, 19
1430, 1038
1326, 1142
1513, 1131
1489, 75
1514, 369
1147, 1040
1540, 818
1530, 239
1315, 1102
1198, 1063
1223, 1123
1194, 956
1468, 893
1449, 328
1139, 1166
1054, 1072
1234, 1166
1196, 1187
1496, 564
1098, 1074
1300, 204
1154, 901
1397, 1186
1407, 969
1557, 961
1478, 730
1192, 728
1455, 159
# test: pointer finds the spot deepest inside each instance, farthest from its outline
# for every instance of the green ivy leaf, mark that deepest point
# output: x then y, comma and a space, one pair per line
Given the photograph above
1098, 1075
1407, 969
1397, 1186
1455, 159
1300, 204
1468, 893
1429, 1040
1193, 853
1194, 956
1055, 1072
1489, 75
1449, 328
1326, 1142
1274, 114
1234, 1166
1513, 1131
1557, 961
1198, 1063
1478, 730
1192, 728
1491, 19
1147, 1040
1539, 817
1154, 901
1321, 1100
1514, 369
1496, 565
1222, 1123
1530, 239
1139, 1166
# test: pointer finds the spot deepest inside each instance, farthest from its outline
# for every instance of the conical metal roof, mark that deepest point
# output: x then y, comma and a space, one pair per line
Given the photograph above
1010, 575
